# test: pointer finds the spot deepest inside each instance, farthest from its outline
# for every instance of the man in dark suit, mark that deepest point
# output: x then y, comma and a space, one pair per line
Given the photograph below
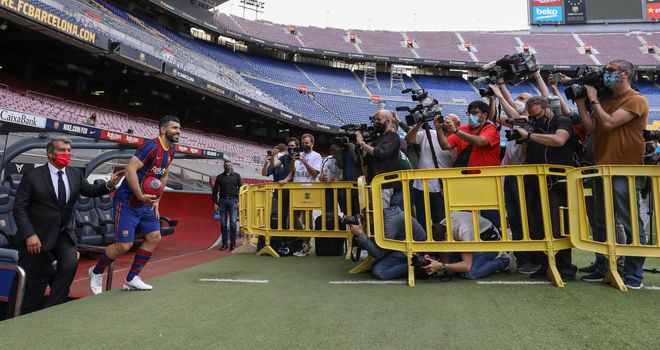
46, 242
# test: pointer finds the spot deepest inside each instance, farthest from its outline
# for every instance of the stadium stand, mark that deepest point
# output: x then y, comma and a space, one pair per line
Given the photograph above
336, 95
240, 151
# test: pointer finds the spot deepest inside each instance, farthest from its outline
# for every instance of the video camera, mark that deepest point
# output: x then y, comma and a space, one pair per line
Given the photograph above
585, 75
421, 113
349, 131
518, 123
418, 95
511, 68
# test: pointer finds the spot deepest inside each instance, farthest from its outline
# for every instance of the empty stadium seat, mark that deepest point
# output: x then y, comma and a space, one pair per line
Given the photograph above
12, 280
7, 223
106, 220
86, 222
14, 182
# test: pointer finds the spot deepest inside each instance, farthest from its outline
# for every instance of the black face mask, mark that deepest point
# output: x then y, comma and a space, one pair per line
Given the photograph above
306, 148
227, 169
540, 122
379, 128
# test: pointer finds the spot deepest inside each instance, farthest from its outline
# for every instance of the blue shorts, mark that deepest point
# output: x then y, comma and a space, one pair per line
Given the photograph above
131, 221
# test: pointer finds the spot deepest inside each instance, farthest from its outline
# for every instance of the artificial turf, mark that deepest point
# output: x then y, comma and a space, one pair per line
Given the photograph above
300, 309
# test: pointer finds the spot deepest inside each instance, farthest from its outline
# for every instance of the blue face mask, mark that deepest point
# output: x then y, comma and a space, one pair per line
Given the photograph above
473, 120
610, 79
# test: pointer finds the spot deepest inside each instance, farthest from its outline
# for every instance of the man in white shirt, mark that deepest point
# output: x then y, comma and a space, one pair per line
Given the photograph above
444, 159
305, 168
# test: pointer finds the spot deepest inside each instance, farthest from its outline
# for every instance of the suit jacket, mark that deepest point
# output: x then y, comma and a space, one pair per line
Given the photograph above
36, 209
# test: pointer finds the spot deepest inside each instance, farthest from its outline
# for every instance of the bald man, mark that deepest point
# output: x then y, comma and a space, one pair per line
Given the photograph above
382, 155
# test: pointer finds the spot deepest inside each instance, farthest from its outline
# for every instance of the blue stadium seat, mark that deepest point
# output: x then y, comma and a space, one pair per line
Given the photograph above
86, 222
12, 280
7, 222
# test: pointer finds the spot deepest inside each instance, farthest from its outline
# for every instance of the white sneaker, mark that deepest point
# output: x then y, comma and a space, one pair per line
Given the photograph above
136, 284
95, 281
305, 249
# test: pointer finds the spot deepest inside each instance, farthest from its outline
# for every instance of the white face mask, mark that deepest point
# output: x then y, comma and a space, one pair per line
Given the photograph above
519, 105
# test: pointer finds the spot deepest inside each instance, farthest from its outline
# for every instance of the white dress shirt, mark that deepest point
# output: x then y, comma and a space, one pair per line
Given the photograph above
55, 179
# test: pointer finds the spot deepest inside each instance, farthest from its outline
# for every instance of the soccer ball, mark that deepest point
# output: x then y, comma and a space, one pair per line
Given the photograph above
153, 186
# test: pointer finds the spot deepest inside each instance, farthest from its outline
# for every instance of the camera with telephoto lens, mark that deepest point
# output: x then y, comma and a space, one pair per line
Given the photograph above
511, 68
350, 130
418, 260
351, 220
651, 135
585, 75
518, 123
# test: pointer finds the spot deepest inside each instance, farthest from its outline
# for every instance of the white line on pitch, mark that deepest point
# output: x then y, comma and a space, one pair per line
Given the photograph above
652, 288
232, 280
513, 282
368, 282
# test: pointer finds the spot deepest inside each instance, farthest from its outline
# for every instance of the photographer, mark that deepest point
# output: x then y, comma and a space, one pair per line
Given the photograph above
273, 156
280, 167
389, 264
551, 142
383, 155
617, 122
343, 164
470, 265
477, 144
430, 159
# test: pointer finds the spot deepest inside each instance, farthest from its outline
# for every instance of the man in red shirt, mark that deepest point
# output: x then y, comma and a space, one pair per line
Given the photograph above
477, 144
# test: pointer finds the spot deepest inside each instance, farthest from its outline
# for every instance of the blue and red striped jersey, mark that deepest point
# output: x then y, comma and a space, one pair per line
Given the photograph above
156, 160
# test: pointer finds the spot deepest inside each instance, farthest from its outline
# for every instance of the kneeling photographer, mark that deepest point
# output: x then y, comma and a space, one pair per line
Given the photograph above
387, 264
383, 155
470, 265
550, 140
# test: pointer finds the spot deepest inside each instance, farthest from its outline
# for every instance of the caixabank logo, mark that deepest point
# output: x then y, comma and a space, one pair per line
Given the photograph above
547, 14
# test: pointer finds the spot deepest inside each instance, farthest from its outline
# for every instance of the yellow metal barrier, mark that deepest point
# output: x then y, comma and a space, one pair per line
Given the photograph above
581, 231
473, 190
367, 209
303, 199
242, 209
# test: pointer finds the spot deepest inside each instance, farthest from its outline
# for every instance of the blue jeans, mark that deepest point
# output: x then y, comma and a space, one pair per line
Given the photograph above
391, 264
437, 205
633, 268
228, 206
483, 264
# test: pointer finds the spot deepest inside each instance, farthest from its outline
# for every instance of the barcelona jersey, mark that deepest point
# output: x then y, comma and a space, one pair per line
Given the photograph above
156, 160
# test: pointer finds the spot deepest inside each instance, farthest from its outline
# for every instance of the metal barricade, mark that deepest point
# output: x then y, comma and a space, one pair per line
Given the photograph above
474, 190
601, 185
293, 214
364, 192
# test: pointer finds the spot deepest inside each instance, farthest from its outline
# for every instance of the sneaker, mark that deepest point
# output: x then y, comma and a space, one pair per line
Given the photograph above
232, 247
593, 277
528, 268
95, 281
588, 269
136, 284
304, 250
631, 284
223, 246
513, 264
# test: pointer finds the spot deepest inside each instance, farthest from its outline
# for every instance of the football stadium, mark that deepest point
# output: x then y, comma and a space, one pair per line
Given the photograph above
177, 175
